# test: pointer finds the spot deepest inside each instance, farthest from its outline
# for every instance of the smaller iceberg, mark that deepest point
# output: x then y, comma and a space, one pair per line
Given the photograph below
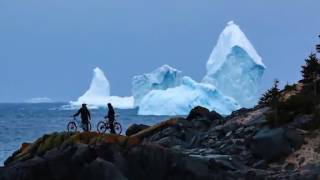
161, 78
98, 95
181, 99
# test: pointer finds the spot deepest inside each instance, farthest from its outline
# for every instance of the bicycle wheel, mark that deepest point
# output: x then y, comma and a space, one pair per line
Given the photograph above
102, 127
72, 127
117, 128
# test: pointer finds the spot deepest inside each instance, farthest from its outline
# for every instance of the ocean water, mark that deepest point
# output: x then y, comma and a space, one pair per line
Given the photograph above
26, 122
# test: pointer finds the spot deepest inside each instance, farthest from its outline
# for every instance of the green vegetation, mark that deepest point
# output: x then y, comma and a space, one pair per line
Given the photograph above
286, 104
288, 87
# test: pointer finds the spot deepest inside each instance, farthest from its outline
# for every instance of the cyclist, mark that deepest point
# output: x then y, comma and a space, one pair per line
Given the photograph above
111, 116
85, 116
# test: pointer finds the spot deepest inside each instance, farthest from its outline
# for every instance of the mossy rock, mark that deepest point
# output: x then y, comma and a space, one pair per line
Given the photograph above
54, 140
156, 128
24, 147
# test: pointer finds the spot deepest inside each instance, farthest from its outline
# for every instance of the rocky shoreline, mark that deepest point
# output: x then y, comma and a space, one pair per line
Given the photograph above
204, 145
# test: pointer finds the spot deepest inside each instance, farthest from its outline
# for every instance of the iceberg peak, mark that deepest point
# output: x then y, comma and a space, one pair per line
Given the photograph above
234, 66
230, 22
99, 88
230, 37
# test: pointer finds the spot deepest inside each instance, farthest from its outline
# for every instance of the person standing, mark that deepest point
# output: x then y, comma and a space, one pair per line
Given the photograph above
111, 117
85, 116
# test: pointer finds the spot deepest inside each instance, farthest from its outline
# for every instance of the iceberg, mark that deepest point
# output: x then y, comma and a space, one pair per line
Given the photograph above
99, 87
161, 78
181, 99
234, 67
98, 95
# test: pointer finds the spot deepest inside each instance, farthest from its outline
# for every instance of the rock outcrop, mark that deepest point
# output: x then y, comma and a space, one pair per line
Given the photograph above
135, 128
240, 146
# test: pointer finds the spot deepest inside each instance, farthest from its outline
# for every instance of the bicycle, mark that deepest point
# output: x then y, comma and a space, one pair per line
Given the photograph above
103, 126
74, 123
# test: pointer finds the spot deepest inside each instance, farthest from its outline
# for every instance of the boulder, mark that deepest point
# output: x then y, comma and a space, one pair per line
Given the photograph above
198, 112
213, 115
135, 128
202, 118
275, 143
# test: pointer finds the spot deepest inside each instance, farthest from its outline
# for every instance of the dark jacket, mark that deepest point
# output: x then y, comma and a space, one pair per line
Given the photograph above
111, 114
85, 114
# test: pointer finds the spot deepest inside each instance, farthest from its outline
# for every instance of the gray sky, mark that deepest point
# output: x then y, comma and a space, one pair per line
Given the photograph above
49, 47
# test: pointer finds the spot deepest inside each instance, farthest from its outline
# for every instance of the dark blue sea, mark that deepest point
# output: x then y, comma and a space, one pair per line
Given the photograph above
26, 122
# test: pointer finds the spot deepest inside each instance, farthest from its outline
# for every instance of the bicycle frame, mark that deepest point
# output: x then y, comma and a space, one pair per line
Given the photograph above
80, 124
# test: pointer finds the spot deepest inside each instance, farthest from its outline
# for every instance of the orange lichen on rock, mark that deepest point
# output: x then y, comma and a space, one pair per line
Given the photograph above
114, 139
24, 147
55, 140
153, 129
133, 141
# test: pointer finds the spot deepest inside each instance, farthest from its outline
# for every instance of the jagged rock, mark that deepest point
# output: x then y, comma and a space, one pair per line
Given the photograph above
238, 112
201, 124
96, 156
229, 127
213, 115
203, 113
169, 141
135, 128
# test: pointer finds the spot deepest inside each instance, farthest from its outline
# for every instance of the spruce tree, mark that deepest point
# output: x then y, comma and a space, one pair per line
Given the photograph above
270, 95
311, 69
265, 98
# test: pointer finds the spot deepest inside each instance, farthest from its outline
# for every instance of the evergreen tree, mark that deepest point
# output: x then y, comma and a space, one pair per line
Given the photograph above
271, 94
311, 69
265, 98
273, 116
275, 94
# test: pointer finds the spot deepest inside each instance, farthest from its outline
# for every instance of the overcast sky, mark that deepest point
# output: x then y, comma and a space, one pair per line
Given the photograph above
48, 48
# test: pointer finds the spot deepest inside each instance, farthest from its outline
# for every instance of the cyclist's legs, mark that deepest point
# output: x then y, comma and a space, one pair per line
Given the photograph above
111, 126
85, 125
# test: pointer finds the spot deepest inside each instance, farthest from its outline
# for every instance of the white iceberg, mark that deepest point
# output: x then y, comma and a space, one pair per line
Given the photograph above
161, 78
181, 99
99, 88
98, 94
234, 67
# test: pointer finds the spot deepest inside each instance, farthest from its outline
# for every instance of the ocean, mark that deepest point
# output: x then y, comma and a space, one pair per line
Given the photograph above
23, 122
